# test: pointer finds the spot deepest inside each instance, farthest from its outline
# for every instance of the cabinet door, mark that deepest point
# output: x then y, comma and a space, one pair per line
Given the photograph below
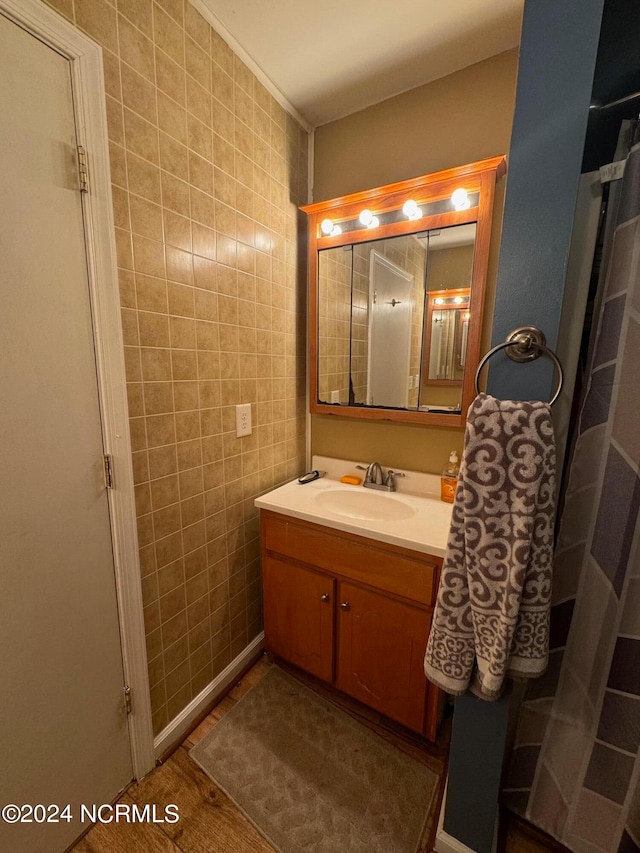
298, 616
380, 653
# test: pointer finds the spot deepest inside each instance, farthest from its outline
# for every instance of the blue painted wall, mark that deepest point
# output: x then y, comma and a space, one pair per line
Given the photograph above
557, 60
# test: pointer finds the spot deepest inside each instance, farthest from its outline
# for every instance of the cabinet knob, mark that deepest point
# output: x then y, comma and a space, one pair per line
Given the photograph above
325, 596
345, 605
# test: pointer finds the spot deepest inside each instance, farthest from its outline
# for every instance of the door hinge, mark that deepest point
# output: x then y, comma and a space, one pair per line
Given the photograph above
127, 699
83, 170
108, 471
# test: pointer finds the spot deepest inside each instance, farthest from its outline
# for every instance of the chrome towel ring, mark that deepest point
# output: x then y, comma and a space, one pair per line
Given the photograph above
526, 343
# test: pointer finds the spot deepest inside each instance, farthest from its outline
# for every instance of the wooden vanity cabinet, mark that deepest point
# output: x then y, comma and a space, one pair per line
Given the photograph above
299, 611
353, 612
381, 652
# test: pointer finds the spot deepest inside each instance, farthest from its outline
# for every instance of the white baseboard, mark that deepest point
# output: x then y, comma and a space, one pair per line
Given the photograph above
446, 843
178, 727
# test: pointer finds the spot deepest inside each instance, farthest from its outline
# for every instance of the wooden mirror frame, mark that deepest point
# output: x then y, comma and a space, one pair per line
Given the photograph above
477, 178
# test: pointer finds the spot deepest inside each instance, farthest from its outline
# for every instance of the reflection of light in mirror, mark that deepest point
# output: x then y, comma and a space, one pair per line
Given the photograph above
374, 222
336, 230
326, 226
365, 217
465, 339
460, 199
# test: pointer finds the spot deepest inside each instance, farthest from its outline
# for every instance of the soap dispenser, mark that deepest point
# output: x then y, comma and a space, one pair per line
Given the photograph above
449, 478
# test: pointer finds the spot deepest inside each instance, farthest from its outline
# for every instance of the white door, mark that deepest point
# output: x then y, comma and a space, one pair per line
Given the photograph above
390, 289
63, 729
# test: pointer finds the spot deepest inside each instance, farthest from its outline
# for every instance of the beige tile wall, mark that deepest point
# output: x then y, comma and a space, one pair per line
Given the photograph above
360, 327
334, 322
207, 171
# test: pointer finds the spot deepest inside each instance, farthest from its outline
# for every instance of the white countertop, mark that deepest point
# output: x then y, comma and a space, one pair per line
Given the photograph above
425, 528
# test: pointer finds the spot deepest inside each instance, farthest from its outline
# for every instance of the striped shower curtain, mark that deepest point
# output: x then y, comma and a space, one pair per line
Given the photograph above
575, 767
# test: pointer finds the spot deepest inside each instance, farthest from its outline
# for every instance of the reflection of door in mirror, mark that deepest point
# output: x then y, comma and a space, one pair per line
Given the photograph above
390, 291
387, 353
446, 329
346, 322
373, 347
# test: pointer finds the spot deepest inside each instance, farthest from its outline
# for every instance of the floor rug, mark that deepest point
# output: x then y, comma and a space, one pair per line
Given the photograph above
311, 778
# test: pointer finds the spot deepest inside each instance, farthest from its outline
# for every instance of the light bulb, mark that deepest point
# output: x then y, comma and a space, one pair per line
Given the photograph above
336, 230
373, 222
410, 208
439, 300
326, 226
458, 300
460, 199
365, 217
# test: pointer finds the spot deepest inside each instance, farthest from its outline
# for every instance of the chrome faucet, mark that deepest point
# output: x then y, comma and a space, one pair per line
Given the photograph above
374, 478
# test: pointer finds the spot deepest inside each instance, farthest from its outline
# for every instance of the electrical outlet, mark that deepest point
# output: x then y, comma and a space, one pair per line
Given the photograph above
243, 419
335, 396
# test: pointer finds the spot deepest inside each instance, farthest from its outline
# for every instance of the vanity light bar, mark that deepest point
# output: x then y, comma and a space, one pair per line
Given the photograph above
457, 301
460, 199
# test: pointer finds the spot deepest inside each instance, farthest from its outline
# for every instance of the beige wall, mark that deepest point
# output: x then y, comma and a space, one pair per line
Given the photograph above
207, 171
458, 119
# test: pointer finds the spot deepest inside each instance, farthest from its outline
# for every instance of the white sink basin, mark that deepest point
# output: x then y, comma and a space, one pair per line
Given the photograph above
414, 517
364, 505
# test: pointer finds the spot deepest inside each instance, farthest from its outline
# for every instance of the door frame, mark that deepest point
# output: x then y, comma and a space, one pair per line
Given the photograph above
85, 60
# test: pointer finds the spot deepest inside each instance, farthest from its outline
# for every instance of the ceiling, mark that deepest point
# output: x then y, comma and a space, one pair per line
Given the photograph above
330, 58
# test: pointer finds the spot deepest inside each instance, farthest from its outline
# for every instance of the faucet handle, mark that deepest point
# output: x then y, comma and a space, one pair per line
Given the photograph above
367, 470
390, 481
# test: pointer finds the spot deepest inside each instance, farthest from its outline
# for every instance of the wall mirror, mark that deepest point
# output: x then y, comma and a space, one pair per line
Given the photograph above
397, 283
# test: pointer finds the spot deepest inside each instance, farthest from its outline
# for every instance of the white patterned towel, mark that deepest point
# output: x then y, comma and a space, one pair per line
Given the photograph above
491, 618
